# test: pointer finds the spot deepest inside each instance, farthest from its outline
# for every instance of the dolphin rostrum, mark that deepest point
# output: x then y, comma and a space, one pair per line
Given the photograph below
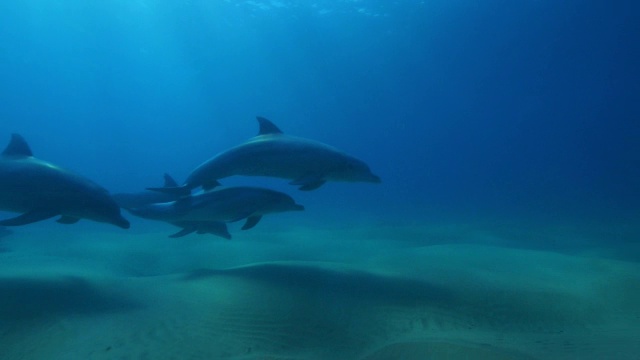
41, 190
224, 205
307, 163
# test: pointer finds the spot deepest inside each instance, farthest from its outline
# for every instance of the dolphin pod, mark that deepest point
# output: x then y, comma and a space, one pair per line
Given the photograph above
40, 190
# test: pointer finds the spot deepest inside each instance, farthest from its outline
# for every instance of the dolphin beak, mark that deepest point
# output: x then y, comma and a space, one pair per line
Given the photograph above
375, 179
297, 207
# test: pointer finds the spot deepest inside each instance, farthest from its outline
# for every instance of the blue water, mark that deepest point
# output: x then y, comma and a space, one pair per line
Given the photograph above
462, 108
502, 111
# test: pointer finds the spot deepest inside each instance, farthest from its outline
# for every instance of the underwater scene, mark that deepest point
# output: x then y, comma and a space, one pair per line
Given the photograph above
327, 179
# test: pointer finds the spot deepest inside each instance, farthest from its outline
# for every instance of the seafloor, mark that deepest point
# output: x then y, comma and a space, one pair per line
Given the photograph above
447, 291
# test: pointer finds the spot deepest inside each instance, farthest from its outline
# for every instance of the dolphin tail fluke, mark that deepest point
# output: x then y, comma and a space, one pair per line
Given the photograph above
183, 190
28, 218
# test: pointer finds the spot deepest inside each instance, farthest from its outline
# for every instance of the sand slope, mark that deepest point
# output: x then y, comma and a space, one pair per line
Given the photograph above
94, 295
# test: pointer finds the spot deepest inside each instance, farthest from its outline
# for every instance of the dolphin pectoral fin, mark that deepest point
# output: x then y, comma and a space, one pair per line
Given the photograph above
210, 185
29, 217
308, 182
251, 222
68, 220
183, 232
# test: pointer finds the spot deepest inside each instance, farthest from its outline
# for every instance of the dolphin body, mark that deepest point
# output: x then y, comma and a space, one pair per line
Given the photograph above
308, 163
224, 205
136, 200
41, 190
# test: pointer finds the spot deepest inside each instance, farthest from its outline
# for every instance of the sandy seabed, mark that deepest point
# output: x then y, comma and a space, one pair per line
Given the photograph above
370, 293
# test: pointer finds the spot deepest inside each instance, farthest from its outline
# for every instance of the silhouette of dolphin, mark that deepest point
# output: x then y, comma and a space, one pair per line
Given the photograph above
308, 163
143, 198
41, 190
224, 205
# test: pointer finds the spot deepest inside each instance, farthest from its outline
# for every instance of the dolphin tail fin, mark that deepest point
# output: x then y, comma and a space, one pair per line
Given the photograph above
183, 190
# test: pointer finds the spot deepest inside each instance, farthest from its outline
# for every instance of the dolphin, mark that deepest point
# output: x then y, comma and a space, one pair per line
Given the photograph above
134, 200
143, 198
307, 163
41, 190
224, 205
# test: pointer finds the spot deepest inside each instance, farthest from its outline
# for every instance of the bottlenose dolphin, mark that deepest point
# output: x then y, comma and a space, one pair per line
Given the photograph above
224, 205
134, 200
140, 199
41, 190
308, 163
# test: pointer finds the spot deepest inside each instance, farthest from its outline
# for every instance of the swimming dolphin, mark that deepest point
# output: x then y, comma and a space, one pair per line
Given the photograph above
308, 163
140, 199
224, 205
134, 200
41, 190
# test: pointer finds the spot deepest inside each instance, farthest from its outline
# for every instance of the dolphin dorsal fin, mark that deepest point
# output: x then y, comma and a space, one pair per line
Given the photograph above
17, 147
169, 181
267, 127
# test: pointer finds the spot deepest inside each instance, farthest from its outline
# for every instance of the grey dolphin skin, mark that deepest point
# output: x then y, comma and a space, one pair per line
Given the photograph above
224, 205
41, 190
307, 163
